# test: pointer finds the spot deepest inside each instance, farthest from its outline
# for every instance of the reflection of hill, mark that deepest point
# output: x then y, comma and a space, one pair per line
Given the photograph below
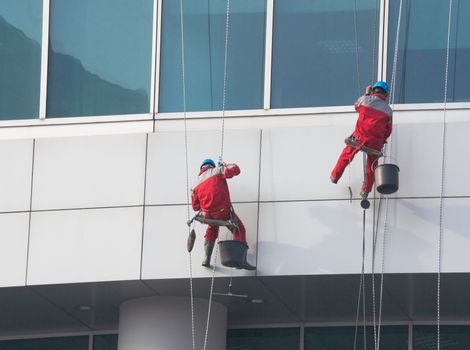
72, 90
19, 73
75, 91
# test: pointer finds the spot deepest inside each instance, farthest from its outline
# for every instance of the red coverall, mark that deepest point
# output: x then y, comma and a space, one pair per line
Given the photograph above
211, 195
373, 127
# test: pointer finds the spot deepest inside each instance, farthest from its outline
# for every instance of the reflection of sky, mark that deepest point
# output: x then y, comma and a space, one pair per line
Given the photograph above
25, 15
111, 38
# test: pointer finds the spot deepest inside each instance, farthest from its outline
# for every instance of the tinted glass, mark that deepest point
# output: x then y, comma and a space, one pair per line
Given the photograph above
452, 337
105, 342
314, 52
261, 339
339, 338
68, 343
422, 50
20, 58
99, 57
204, 46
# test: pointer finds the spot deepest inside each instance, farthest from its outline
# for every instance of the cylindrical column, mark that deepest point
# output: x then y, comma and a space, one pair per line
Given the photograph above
164, 323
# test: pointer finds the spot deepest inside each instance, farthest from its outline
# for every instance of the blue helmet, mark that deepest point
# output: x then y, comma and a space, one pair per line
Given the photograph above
208, 161
381, 84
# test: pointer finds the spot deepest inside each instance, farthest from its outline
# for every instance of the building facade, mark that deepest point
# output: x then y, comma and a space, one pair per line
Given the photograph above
106, 111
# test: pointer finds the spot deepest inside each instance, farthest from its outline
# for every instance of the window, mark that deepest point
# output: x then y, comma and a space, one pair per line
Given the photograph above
314, 52
204, 46
100, 57
339, 338
268, 338
105, 342
20, 57
422, 51
452, 337
66, 343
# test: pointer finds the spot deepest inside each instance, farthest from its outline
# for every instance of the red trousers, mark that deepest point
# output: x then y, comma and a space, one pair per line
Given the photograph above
347, 156
239, 234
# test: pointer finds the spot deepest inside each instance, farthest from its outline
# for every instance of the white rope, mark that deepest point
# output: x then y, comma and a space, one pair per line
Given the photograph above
356, 39
183, 76
210, 295
224, 94
441, 204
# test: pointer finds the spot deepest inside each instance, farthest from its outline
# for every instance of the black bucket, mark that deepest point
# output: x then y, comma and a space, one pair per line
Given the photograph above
386, 178
233, 253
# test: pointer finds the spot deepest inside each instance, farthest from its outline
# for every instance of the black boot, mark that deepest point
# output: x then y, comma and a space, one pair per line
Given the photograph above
208, 247
247, 266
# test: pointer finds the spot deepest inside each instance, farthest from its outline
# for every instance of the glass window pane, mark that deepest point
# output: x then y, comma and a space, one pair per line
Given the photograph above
452, 337
204, 46
260, 339
339, 338
422, 51
105, 342
20, 58
68, 343
100, 57
314, 52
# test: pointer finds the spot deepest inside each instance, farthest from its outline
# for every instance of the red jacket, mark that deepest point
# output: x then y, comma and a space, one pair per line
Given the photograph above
375, 119
210, 193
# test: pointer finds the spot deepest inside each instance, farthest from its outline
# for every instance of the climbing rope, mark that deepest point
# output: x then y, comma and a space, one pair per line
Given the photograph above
441, 203
224, 94
183, 78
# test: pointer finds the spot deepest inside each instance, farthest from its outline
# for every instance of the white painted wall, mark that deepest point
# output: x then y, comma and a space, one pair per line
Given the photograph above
88, 192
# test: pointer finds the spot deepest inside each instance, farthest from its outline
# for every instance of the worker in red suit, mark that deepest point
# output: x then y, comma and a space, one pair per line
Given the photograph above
373, 127
211, 195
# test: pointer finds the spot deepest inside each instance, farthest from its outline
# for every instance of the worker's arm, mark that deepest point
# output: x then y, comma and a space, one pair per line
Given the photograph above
195, 201
230, 170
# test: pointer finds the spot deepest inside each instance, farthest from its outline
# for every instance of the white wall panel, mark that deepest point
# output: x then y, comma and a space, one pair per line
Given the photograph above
297, 163
457, 162
416, 149
412, 236
456, 235
165, 254
316, 237
13, 248
166, 176
85, 245
15, 178
83, 172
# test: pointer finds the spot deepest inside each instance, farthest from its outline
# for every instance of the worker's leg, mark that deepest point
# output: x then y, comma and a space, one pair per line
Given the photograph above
239, 233
211, 233
344, 159
370, 164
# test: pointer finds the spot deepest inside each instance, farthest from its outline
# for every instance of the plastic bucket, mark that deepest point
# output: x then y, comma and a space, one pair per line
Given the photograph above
386, 178
233, 253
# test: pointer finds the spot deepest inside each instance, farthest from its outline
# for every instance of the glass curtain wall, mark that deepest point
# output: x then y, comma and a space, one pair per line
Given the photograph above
100, 57
65, 343
266, 338
316, 59
420, 67
204, 47
451, 337
342, 338
20, 58
105, 342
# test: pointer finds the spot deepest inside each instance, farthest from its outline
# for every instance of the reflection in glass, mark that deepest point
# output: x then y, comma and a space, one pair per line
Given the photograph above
265, 338
20, 58
314, 52
65, 343
99, 57
342, 338
451, 337
204, 40
105, 342
422, 51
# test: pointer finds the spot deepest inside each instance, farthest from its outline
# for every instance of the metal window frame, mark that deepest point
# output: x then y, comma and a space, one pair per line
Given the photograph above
44, 58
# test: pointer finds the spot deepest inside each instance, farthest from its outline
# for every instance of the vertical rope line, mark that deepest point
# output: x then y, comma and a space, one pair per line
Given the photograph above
210, 295
356, 39
224, 95
363, 278
361, 281
441, 204
374, 29
395, 56
374, 245
183, 76
382, 273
